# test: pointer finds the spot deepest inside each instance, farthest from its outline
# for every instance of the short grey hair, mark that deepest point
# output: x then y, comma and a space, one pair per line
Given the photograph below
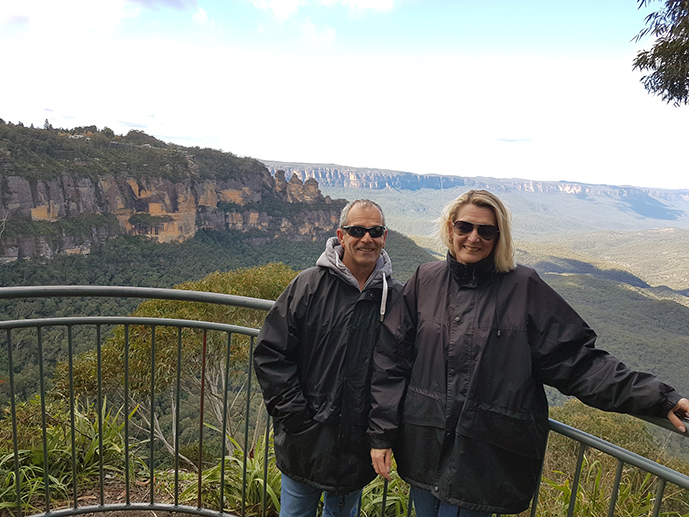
366, 203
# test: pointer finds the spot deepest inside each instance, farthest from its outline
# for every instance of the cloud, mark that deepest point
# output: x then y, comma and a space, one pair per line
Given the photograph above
311, 36
201, 16
361, 5
378, 5
282, 9
136, 125
50, 19
175, 4
14, 20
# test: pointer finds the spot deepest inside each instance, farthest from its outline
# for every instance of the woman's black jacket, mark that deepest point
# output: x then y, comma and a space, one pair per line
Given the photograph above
472, 350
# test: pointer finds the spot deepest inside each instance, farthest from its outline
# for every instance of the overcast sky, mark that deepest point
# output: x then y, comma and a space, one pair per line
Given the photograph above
535, 89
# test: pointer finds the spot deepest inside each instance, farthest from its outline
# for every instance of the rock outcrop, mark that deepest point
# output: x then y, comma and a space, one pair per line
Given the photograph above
330, 175
160, 208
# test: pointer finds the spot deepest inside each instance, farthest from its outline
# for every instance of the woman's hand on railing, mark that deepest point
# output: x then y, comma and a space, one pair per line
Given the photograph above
381, 459
678, 413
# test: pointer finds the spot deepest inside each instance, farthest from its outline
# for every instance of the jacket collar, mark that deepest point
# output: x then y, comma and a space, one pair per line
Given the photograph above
470, 275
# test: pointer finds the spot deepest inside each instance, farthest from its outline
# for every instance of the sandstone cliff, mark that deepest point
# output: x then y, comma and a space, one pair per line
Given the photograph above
176, 192
330, 175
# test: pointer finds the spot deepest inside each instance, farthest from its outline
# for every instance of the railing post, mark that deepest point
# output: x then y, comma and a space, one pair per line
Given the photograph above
615, 489
659, 497
250, 373
265, 466
101, 472
13, 411
224, 442
178, 389
151, 466
534, 500
44, 424
201, 411
575, 483
72, 401
127, 494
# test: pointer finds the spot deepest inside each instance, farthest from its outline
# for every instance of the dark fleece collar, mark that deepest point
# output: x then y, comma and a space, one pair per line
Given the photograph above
470, 275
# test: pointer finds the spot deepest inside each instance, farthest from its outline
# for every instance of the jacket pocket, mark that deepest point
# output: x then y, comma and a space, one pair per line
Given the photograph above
322, 408
522, 433
423, 407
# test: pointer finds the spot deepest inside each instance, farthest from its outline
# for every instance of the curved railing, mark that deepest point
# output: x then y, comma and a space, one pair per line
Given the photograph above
153, 470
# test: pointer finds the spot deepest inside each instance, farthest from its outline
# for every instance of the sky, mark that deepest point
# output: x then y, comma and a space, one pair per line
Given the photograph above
533, 89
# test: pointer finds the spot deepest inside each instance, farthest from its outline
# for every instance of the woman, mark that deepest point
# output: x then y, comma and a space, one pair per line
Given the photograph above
457, 386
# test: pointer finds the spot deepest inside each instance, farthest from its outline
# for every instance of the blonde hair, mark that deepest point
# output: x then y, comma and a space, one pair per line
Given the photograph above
504, 251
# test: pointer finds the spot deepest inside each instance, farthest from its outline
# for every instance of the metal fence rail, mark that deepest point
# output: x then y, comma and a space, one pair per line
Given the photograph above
206, 397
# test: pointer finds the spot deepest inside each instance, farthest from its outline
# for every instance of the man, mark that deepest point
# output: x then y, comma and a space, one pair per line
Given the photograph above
313, 362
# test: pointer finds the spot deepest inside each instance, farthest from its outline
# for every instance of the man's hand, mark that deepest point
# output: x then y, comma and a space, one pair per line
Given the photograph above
679, 412
381, 460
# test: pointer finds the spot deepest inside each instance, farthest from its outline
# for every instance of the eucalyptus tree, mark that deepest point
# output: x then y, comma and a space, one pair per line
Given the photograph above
666, 63
192, 352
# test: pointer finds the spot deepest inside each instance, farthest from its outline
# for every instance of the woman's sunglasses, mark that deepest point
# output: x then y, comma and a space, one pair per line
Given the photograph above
359, 231
485, 231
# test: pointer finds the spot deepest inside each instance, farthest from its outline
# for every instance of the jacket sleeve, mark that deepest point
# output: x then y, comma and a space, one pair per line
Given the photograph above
276, 360
563, 347
393, 358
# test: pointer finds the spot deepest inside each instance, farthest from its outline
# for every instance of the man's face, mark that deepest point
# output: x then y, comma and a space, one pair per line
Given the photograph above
361, 254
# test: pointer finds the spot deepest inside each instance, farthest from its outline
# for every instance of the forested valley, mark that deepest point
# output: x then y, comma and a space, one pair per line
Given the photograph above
645, 330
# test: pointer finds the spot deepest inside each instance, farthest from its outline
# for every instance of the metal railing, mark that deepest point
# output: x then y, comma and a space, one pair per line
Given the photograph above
133, 395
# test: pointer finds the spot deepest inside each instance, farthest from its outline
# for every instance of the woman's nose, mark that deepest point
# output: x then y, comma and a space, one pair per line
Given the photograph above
474, 236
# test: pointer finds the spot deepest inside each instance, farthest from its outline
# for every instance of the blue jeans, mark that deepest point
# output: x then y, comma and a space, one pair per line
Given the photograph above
300, 500
427, 505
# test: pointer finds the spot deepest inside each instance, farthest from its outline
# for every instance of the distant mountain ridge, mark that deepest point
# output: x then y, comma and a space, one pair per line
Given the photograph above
652, 203
636, 236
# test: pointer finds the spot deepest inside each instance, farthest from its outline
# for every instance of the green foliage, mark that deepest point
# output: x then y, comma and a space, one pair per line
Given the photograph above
651, 335
396, 500
85, 152
137, 137
638, 489
33, 464
234, 481
266, 282
143, 222
668, 59
200, 351
146, 219
81, 227
214, 164
405, 255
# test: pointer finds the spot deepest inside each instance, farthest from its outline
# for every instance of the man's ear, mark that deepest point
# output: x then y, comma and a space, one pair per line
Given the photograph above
340, 235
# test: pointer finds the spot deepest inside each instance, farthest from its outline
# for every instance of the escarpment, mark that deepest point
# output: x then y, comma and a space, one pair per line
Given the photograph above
106, 187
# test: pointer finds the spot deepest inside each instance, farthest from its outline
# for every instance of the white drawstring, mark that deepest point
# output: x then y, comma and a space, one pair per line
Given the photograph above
384, 300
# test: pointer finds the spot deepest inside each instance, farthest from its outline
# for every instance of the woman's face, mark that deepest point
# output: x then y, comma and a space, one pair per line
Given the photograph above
470, 248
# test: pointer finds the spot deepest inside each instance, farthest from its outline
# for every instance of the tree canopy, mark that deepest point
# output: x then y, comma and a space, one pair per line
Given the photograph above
666, 63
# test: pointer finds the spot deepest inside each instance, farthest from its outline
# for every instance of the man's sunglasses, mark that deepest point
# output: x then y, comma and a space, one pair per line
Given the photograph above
359, 231
485, 231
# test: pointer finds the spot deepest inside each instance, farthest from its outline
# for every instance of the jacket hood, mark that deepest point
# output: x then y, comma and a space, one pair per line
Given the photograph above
332, 259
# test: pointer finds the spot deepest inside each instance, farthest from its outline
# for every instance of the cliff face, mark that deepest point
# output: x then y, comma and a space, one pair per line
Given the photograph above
328, 175
160, 208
